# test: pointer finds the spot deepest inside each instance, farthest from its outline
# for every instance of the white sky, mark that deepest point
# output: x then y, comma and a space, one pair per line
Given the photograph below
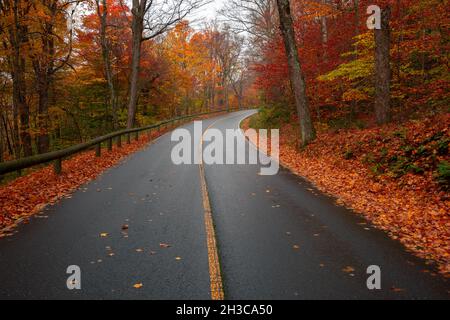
209, 12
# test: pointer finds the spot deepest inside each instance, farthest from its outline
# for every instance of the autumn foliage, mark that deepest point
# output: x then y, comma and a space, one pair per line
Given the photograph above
55, 90
396, 175
66, 77
388, 175
338, 60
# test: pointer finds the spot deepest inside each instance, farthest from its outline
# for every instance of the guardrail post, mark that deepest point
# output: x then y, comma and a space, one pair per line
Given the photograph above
119, 141
149, 133
59, 156
57, 166
136, 137
98, 150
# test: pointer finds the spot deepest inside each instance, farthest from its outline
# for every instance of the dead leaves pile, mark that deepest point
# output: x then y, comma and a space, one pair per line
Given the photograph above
411, 209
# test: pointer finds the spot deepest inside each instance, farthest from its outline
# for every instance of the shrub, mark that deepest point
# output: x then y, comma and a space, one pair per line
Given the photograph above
443, 174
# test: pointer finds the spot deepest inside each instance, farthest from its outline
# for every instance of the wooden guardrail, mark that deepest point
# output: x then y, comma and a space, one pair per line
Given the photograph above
58, 156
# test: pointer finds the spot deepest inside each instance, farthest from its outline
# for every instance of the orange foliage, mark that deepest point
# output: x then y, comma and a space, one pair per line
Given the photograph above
411, 209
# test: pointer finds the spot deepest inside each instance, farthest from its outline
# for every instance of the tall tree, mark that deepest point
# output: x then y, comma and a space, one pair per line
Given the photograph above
228, 50
51, 49
15, 41
152, 18
102, 12
383, 68
295, 71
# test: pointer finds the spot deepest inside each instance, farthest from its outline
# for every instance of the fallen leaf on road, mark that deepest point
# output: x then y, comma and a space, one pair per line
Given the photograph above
296, 247
125, 227
103, 235
412, 207
138, 285
348, 269
139, 250
164, 245
178, 258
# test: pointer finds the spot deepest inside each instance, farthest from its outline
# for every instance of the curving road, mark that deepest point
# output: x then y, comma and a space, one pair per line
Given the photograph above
276, 237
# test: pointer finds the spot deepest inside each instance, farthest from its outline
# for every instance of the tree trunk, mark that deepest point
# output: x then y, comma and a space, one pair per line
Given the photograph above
106, 51
137, 27
383, 69
8, 132
226, 96
43, 140
18, 37
295, 71
324, 33
324, 25
22, 109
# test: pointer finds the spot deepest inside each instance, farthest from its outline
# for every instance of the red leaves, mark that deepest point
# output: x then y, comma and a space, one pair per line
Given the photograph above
28, 195
411, 208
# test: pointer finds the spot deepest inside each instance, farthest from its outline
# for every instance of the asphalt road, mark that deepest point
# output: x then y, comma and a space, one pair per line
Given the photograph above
277, 238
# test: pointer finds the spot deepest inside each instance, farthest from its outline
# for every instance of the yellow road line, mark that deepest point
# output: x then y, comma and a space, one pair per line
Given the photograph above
215, 275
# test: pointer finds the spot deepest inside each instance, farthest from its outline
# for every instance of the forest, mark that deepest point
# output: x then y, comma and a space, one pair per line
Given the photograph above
71, 70
359, 88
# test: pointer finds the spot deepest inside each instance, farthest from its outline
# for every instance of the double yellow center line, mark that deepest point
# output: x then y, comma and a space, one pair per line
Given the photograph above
217, 292
215, 275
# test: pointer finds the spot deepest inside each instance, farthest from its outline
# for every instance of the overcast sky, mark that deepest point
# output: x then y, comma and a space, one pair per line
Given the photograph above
209, 12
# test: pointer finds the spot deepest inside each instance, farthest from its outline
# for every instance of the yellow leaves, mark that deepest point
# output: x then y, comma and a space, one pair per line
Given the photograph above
354, 95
